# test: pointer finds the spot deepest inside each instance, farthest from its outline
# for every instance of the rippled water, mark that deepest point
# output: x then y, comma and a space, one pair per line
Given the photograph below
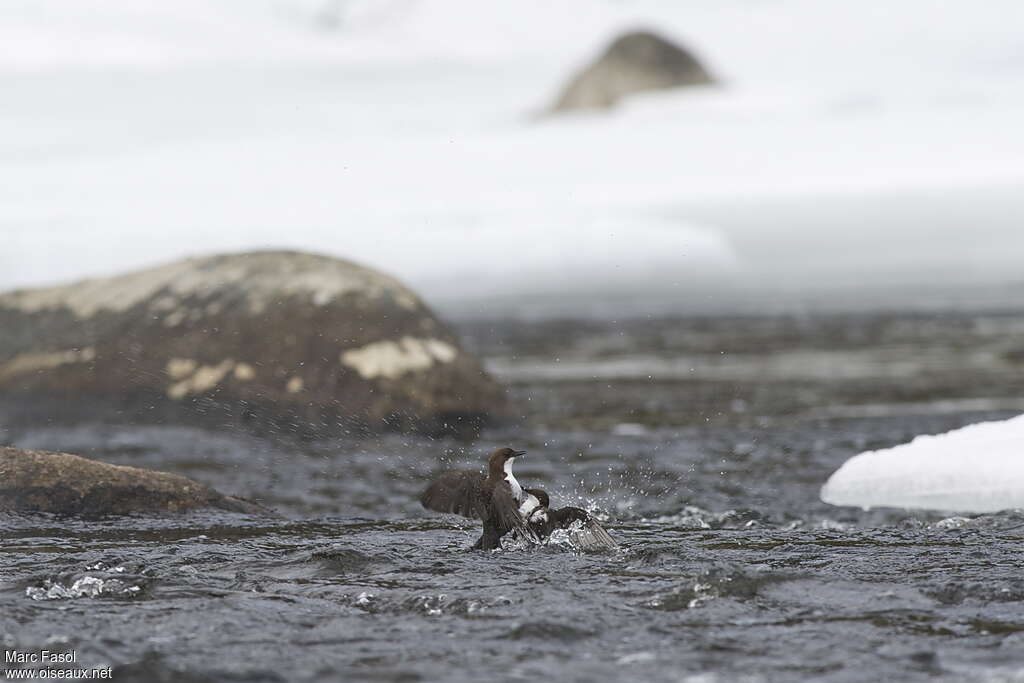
731, 569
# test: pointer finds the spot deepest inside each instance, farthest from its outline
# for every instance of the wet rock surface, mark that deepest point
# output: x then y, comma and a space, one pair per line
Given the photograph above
274, 340
635, 62
65, 484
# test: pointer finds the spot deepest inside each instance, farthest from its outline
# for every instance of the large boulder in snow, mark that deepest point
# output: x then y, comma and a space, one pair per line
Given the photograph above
290, 341
634, 62
65, 484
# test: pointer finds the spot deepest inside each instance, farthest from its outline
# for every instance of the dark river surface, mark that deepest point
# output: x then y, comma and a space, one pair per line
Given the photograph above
731, 568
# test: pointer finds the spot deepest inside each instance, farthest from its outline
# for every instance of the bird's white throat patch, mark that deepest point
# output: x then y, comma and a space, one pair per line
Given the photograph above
517, 490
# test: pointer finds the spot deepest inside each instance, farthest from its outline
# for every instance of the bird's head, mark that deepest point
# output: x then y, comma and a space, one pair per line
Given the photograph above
501, 460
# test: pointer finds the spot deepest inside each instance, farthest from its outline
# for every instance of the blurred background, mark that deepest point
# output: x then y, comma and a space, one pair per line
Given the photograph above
637, 215
842, 156
835, 190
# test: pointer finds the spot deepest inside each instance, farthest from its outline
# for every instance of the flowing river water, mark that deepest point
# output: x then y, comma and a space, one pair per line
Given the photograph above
731, 568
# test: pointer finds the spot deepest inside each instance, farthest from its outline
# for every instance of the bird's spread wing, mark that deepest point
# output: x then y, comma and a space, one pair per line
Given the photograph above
563, 517
507, 511
588, 534
459, 492
593, 537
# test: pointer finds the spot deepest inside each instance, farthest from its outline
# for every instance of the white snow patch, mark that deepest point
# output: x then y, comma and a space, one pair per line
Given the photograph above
975, 469
847, 137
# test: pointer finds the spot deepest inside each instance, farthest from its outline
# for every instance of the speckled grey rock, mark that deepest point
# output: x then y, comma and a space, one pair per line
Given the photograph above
634, 62
290, 341
65, 484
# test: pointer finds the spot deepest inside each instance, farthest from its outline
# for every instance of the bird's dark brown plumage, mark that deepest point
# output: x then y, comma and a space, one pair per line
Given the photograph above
460, 492
489, 498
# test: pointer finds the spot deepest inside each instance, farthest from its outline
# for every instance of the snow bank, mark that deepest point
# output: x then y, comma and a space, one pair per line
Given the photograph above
848, 138
979, 468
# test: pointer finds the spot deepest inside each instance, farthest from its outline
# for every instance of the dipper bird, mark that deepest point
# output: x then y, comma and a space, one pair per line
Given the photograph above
588, 534
494, 498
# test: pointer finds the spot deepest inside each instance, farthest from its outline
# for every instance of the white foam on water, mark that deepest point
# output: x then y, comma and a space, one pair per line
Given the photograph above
84, 587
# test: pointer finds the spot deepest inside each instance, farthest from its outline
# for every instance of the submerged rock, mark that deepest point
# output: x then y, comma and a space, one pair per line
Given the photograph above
296, 341
634, 62
65, 484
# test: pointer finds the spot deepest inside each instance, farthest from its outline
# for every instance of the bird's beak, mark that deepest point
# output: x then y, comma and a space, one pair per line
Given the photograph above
518, 454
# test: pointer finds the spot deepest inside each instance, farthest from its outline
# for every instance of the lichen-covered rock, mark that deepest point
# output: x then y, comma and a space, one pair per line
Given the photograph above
634, 62
65, 484
297, 342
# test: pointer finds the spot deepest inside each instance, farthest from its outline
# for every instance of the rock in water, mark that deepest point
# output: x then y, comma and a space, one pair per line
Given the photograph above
291, 341
65, 484
634, 62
